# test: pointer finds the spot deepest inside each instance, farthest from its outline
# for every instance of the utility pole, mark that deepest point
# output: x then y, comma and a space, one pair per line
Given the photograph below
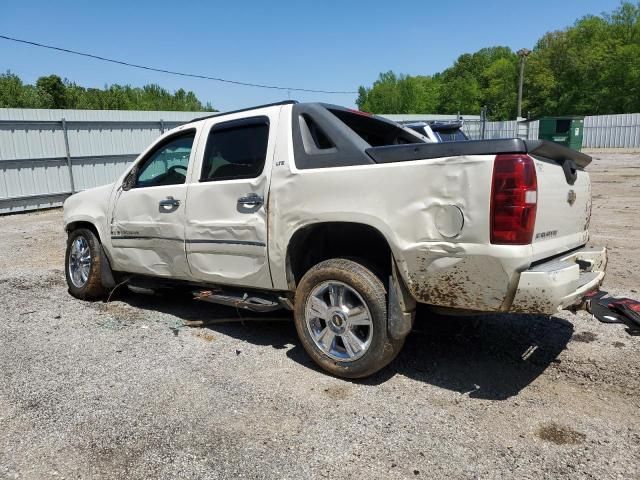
523, 53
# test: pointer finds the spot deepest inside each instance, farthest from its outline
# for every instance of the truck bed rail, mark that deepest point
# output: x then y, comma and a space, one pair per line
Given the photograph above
421, 151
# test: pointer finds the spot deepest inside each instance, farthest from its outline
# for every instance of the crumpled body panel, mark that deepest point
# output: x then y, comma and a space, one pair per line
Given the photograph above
91, 206
404, 201
227, 242
147, 238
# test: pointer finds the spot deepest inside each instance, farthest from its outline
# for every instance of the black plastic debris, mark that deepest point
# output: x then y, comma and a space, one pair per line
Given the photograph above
609, 309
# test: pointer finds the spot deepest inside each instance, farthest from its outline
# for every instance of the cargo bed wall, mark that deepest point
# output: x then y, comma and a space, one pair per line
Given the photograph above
417, 206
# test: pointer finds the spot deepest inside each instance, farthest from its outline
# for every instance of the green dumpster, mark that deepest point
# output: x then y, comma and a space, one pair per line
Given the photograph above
567, 131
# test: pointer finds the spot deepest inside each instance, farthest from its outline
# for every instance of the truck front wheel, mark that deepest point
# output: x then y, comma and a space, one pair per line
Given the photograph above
82, 265
341, 319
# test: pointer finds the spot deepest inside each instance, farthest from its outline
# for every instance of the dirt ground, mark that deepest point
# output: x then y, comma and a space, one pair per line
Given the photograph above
125, 390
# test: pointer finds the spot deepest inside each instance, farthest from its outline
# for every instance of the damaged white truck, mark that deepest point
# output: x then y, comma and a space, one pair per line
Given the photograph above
345, 218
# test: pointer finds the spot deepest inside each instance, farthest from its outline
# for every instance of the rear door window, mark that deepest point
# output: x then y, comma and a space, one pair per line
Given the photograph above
236, 150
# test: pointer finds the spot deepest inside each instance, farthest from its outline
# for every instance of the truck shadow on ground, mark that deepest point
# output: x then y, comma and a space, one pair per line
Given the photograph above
487, 357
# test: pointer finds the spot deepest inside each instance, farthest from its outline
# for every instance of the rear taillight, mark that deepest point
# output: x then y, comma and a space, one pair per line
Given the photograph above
514, 195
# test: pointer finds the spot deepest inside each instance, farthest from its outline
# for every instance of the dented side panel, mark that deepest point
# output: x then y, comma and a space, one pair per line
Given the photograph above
146, 238
226, 241
433, 213
466, 281
91, 206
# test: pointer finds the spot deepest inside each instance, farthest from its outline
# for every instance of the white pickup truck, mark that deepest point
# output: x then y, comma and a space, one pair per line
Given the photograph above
345, 218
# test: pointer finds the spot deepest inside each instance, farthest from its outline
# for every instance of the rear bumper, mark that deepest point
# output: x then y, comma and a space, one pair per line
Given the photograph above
560, 283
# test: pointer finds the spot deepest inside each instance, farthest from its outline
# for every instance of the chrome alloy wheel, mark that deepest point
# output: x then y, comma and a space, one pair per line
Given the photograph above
79, 261
339, 321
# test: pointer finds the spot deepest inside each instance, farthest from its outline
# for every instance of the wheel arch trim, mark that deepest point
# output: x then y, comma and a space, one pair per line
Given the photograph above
290, 277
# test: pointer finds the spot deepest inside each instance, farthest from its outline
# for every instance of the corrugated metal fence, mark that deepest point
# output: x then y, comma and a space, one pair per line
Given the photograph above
612, 131
473, 128
47, 154
620, 132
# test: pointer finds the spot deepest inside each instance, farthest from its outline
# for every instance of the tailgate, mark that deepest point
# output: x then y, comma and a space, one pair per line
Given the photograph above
564, 206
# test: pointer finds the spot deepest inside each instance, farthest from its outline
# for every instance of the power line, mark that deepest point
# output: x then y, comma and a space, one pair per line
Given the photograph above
170, 72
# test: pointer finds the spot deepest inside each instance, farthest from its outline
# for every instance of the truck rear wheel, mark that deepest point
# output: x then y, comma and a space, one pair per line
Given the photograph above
82, 265
341, 318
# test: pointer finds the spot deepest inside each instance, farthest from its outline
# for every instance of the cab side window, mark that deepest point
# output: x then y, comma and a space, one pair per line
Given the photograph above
167, 164
236, 150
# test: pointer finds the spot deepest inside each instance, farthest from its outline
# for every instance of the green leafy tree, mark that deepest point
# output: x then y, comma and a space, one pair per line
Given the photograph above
499, 87
590, 68
399, 94
11, 90
15, 94
53, 92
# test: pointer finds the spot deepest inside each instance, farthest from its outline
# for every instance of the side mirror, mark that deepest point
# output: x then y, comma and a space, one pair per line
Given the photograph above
130, 180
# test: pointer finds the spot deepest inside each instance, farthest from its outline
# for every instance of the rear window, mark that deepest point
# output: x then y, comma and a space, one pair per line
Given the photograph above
451, 136
374, 131
417, 128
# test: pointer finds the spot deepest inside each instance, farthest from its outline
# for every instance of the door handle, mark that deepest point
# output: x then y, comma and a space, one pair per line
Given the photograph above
251, 200
170, 202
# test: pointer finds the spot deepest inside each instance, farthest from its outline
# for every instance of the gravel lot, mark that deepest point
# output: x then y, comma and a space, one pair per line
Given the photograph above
126, 390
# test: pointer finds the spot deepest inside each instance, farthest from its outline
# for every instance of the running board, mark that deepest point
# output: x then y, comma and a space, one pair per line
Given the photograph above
241, 300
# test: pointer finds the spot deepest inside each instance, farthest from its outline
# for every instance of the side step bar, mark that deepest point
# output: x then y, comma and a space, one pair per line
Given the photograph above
245, 301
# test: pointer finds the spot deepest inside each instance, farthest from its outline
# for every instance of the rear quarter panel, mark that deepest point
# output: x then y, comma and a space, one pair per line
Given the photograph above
403, 201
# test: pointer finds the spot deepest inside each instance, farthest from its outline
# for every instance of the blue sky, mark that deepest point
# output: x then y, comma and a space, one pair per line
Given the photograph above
326, 45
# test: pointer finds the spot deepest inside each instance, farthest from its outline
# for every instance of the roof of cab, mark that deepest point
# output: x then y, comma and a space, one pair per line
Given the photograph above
328, 106
219, 114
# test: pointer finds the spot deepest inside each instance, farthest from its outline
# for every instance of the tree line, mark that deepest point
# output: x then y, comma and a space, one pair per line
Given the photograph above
54, 92
590, 68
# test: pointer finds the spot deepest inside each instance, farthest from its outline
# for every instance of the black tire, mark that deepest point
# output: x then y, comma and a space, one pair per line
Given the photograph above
92, 288
382, 349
